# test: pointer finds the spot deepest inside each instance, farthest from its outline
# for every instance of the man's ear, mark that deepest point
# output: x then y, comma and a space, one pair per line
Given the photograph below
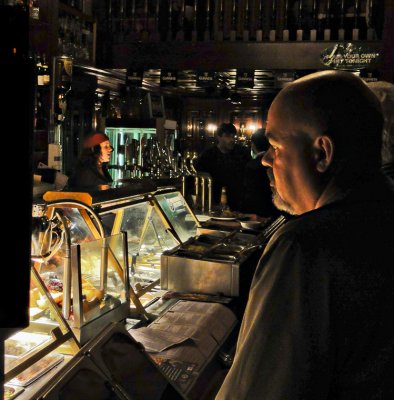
324, 152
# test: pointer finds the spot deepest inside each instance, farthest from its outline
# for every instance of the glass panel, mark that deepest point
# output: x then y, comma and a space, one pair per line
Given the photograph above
178, 213
50, 249
48, 234
30, 353
102, 276
147, 239
79, 230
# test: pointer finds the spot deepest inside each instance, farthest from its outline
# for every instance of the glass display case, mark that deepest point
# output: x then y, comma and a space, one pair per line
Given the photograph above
154, 222
32, 355
84, 271
99, 284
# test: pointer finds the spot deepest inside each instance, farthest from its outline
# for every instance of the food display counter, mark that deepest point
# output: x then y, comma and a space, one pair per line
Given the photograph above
167, 248
102, 257
153, 220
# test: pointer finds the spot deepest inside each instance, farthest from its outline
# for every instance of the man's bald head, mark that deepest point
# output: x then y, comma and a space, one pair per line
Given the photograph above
340, 105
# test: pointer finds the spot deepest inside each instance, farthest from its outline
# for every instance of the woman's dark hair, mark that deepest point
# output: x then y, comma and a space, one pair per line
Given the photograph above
90, 156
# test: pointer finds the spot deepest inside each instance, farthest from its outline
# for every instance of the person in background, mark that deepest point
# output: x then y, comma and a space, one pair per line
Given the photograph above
226, 163
385, 93
257, 196
91, 168
319, 323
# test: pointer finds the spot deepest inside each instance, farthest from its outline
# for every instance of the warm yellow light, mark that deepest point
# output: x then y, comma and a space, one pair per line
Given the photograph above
252, 127
212, 128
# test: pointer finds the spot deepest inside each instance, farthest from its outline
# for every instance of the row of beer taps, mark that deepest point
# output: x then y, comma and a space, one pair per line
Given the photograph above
146, 157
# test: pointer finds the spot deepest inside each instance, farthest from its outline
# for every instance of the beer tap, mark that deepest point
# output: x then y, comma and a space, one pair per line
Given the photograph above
126, 158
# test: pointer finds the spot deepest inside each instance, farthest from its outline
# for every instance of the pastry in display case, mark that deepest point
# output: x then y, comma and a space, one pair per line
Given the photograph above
85, 273
32, 355
99, 284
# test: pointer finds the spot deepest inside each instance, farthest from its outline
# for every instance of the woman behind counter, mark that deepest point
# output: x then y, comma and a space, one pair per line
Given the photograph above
91, 168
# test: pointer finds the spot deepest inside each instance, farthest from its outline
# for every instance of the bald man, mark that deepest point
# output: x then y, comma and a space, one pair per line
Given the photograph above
319, 323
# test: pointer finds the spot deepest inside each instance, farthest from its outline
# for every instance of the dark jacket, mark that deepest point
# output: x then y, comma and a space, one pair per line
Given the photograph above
257, 194
87, 175
319, 323
226, 169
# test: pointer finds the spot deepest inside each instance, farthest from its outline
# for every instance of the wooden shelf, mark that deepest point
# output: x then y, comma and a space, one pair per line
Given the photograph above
219, 56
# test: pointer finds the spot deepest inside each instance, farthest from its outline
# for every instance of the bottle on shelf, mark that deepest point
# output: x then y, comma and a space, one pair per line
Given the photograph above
327, 22
286, 31
272, 32
356, 21
223, 201
314, 22
34, 10
63, 78
45, 71
40, 71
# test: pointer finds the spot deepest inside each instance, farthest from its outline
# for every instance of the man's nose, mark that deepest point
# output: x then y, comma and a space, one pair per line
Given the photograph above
266, 160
